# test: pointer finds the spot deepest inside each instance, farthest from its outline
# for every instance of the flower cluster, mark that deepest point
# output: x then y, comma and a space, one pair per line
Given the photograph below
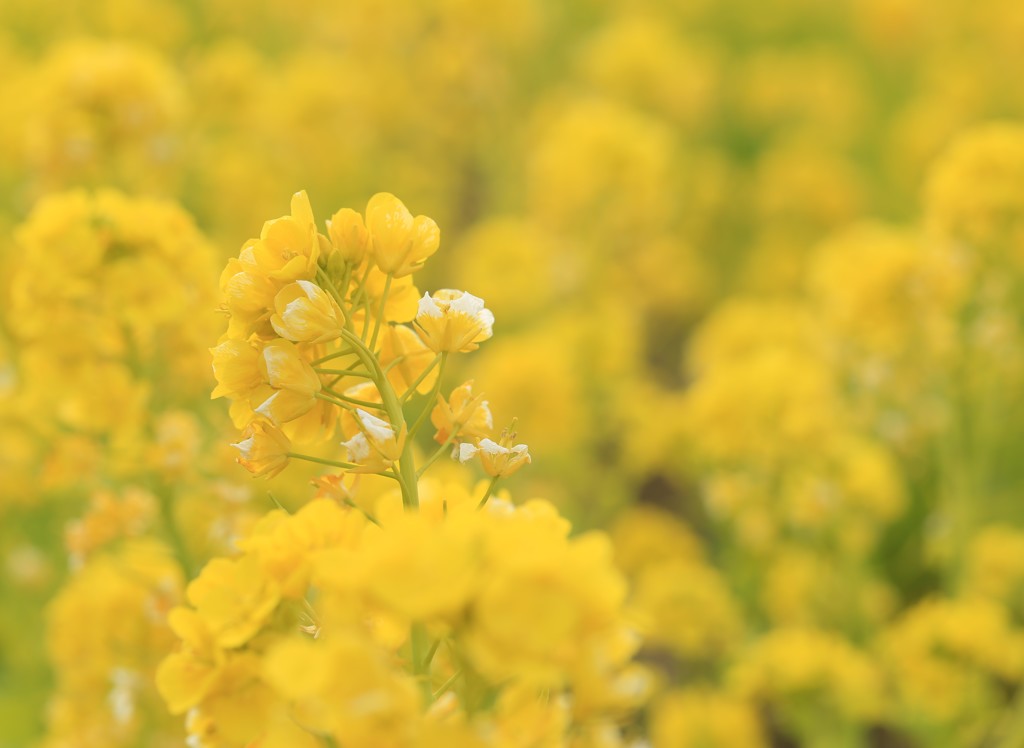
327, 334
417, 616
443, 627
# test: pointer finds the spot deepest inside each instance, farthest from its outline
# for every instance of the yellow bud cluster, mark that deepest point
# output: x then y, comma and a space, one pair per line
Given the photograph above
318, 341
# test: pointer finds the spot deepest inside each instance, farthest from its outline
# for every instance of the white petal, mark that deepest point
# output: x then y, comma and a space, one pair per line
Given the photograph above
357, 447
468, 304
379, 430
492, 447
429, 308
467, 452
245, 447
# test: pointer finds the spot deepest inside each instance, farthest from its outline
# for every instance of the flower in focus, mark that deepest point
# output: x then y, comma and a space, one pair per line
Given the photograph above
401, 243
453, 321
348, 235
288, 247
462, 415
376, 446
264, 449
294, 380
499, 458
304, 313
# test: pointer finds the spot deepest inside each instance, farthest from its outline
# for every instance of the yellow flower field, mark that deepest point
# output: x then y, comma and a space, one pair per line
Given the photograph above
511, 374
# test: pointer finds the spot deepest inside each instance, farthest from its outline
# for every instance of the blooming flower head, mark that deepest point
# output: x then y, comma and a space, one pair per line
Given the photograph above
451, 321
303, 312
348, 235
376, 446
499, 458
263, 449
400, 243
289, 246
294, 380
236, 368
464, 414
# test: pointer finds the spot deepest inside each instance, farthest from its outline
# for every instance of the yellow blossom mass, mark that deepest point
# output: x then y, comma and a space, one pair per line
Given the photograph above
449, 374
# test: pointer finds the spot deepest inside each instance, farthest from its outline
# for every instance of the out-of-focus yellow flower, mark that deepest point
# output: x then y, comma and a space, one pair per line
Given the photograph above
421, 569
687, 608
184, 678
329, 681
974, 193
453, 321
787, 664
233, 599
537, 616
692, 718
400, 243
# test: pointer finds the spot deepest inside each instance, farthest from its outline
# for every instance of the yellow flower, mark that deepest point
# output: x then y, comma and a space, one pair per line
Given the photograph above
288, 247
344, 686
703, 719
401, 243
453, 321
264, 449
184, 678
246, 291
236, 368
463, 414
233, 598
498, 459
285, 543
349, 236
545, 603
305, 313
421, 569
376, 446
402, 342
294, 380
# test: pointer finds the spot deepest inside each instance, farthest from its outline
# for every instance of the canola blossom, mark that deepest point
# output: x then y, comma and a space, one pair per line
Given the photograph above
617, 375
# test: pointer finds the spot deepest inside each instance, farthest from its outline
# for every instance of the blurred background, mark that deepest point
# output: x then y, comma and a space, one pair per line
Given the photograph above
755, 268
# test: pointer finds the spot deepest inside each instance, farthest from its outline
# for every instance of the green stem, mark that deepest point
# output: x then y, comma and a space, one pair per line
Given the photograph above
423, 375
334, 401
352, 400
488, 492
433, 398
440, 451
331, 357
342, 372
321, 461
380, 313
181, 553
394, 363
354, 505
417, 647
446, 685
393, 408
430, 655
326, 281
